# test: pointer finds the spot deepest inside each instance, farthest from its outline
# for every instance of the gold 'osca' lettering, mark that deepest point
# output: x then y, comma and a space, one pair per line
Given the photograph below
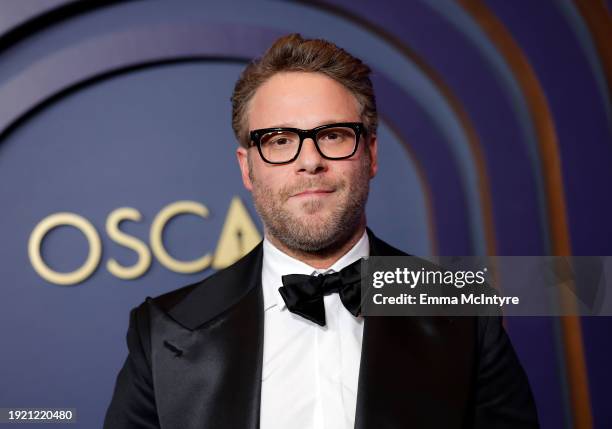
238, 224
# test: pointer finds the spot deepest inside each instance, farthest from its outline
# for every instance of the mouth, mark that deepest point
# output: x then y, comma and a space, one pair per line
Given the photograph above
313, 193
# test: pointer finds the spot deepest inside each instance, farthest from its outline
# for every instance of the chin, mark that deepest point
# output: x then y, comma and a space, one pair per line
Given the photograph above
319, 217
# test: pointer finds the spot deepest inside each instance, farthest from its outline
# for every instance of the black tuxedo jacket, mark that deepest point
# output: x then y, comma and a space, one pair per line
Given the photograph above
195, 360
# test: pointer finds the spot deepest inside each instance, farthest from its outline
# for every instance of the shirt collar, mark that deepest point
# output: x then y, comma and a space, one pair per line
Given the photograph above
277, 263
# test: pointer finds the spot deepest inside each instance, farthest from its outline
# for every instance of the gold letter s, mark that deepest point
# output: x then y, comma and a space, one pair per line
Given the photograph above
144, 255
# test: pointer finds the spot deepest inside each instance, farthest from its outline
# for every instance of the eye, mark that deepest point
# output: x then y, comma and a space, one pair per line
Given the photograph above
280, 141
336, 135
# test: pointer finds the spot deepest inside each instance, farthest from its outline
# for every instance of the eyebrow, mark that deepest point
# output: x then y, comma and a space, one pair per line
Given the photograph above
291, 125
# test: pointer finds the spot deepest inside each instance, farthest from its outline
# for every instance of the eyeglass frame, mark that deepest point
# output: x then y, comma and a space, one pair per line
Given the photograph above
256, 135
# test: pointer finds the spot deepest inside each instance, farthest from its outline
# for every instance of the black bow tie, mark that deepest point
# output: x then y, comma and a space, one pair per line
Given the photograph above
304, 294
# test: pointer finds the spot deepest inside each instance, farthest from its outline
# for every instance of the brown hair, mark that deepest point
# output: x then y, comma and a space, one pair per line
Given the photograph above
294, 53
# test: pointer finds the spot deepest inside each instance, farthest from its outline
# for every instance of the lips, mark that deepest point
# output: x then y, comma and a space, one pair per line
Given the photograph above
313, 192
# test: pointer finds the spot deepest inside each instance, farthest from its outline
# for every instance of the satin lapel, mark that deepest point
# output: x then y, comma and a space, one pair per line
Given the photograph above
414, 371
207, 366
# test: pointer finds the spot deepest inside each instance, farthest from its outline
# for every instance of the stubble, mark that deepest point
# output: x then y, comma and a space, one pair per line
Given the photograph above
312, 231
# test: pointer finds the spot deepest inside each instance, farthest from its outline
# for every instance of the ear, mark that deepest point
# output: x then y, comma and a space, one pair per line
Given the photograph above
373, 143
242, 155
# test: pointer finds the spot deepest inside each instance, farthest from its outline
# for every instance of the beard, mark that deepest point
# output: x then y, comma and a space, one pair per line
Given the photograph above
315, 229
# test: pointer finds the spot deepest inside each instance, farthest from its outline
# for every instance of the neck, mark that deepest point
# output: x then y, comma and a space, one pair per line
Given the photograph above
324, 258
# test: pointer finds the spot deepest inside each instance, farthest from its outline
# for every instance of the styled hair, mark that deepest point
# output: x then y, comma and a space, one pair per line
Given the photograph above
293, 53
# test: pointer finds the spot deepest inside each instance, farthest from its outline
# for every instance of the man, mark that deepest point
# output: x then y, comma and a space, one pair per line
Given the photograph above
234, 351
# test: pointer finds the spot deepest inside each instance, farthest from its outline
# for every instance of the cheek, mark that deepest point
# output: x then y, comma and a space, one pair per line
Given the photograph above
257, 172
358, 178
266, 181
355, 172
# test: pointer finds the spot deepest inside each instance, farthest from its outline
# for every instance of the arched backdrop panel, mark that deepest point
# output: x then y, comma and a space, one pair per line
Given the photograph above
494, 139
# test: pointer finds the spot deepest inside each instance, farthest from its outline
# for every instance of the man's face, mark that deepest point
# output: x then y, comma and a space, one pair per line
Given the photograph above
312, 203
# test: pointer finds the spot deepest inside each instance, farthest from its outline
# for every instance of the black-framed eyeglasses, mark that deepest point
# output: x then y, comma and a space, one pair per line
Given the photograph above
333, 141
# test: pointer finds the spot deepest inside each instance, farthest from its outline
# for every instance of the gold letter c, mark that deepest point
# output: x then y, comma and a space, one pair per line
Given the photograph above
156, 237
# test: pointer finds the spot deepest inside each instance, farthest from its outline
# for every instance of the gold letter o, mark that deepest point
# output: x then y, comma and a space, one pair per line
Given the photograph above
80, 223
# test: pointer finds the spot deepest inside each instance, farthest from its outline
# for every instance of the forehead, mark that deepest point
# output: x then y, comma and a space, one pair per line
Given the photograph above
302, 100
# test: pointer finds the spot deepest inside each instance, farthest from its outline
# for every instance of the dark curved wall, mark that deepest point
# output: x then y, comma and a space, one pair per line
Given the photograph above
496, 138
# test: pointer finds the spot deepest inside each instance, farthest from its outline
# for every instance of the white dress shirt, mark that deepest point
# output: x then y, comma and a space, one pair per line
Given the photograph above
310, 373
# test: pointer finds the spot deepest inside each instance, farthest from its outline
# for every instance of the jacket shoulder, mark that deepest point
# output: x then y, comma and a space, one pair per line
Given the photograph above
379, 247
215, 292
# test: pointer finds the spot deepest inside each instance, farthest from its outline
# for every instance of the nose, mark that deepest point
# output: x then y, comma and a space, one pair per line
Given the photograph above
309, 159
